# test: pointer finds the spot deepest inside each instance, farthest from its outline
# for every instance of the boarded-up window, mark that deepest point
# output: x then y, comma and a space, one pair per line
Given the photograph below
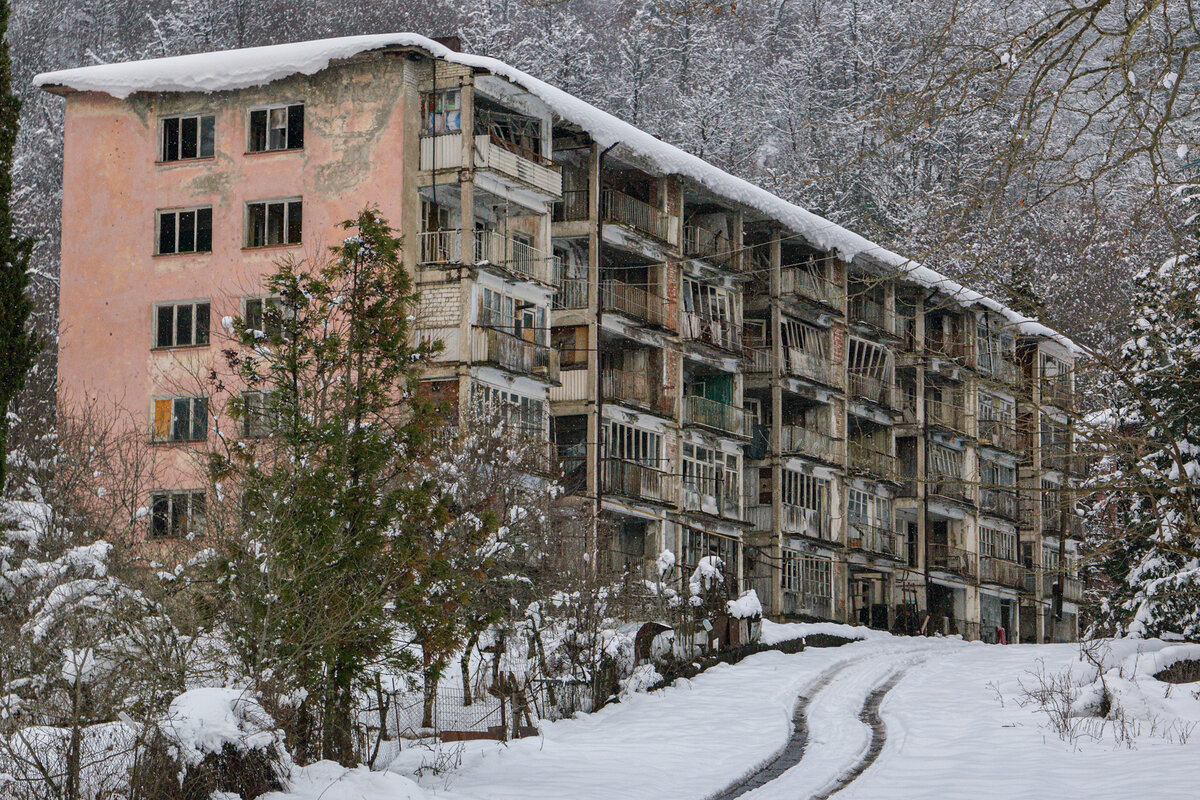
181, 419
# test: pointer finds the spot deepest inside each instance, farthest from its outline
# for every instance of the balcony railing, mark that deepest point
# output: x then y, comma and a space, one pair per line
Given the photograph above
635, 479
1072, 589
633, 213
573, 207
797, 363
793, 519
864, 310
871, 388
488, 247
722, 333
634, 301
865, 459
996, 367
1048, 578
958, 350
798, 280
938, 412
1056, 392
798, 439
1000, 434
1002, 502
493, 154
718, 416
950, 486
952, 559
711, 495
492, 346
636, 388
1001, 572
714, 246
874, 539
571, 293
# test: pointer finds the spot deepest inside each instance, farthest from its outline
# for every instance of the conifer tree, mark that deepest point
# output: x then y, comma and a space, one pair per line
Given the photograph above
18, 344
1150, 481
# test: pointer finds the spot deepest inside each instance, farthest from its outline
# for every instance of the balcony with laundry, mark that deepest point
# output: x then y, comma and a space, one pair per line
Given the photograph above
507, 150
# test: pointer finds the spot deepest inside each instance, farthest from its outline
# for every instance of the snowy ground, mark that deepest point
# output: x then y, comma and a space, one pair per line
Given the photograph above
954, 728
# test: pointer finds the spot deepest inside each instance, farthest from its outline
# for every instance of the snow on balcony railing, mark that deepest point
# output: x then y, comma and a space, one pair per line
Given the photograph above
718, 416
492, 346
955, 349
720, 333
624, 210
634, 301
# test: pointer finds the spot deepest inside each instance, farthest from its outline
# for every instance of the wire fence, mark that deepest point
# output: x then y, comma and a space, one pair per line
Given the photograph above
488, 712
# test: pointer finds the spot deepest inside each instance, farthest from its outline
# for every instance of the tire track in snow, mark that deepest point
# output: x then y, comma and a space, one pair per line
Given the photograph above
871, 717
793, 750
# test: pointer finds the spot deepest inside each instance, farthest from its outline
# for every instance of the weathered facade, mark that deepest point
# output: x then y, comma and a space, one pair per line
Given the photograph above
719, 372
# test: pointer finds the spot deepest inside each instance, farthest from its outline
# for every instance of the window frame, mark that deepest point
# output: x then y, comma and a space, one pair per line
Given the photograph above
287, 203
199, 116
287, 127
171, 496
262, 298
159, 213
195, 433
175, 305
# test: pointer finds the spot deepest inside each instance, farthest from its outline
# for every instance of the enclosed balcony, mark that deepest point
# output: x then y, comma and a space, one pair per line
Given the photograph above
622, 209
638, 480
999, 433
711, 494
512, 165
794, 363
486, 247
946, 414
514, 354
717, 416
798, 440
876, 463
810, 284
794, 519
875, 540
1000, 502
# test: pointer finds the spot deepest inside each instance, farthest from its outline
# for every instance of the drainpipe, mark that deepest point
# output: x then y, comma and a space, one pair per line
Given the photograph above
599, 460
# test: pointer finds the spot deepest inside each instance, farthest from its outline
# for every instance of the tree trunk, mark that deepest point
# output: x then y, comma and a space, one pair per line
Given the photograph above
430, 691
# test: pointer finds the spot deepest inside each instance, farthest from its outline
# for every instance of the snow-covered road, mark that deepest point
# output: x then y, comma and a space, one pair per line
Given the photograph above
952, 724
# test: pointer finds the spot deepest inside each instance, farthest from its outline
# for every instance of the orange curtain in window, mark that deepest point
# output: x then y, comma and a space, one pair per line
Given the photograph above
162, 419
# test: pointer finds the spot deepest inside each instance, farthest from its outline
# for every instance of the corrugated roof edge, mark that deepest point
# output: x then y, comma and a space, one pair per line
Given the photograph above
240, 69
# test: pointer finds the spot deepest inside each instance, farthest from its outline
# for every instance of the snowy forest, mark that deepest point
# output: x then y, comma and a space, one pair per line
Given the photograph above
1042, 153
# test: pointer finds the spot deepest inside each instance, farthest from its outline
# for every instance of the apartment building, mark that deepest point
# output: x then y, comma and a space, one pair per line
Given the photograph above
715, 370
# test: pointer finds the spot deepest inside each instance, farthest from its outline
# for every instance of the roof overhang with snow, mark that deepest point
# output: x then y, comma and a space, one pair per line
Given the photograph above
249, 67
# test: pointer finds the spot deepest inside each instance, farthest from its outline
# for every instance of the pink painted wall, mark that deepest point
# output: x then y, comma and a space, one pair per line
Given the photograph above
359, 148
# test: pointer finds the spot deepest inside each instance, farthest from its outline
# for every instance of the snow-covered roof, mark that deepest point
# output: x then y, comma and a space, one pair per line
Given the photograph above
255, 66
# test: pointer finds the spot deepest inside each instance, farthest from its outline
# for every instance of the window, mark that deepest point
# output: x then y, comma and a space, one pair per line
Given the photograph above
632, 444
277, 128
262, 314
181, 419
187, 137
868, 509
180, 324
805, 491
273, 222
522, 413
869, 359
791, 571
441, 112
816, 583
996, 543
945, 463
256, 416
710, 302
176, 514
510, 315
185, 230
711, 472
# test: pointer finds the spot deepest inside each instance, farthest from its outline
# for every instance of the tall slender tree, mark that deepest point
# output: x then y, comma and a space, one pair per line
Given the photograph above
19, 345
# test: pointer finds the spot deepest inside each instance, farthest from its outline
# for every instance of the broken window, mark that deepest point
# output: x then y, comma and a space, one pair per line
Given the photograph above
181, 419
871, 360
185, 230
274, 222
187, 137
865, 508
805, 491
628, 443
710, 472
945, 463
181, 324
997, 543
277, 128
441, 112
176, 514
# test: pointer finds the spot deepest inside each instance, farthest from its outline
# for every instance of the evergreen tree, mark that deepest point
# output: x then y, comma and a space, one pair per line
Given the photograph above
18, 344
1150, 481
323, 537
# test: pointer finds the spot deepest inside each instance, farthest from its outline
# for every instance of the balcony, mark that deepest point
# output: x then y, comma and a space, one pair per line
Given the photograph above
997, 368
954, 349
1000, 434
635, 302
883, 466
875, 540
573, 207
570, 293
804, 441
637, 480
709, 245
796, 363
938, 412
801, 281
951, 487
1001, 502
512, 165
1001, 572
438, 248
950, 559
1057, 392
711, 495
1048, 578
636, 389
512, 353
624, 210
865, 311
716, 416
795, 520
721, 333
873, 389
